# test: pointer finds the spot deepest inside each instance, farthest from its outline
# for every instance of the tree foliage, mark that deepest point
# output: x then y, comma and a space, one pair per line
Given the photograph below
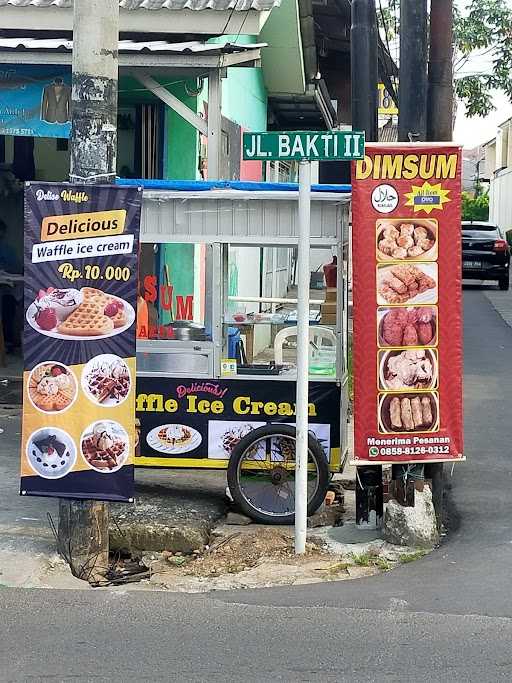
475, 208
484, 28
482, 48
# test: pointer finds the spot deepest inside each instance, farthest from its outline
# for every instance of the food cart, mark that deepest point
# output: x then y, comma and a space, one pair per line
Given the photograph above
216, 335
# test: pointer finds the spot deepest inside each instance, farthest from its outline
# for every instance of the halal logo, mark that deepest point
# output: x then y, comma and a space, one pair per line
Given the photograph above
427, 197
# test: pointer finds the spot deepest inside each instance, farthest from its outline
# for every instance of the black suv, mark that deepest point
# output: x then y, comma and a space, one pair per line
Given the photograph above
485, 253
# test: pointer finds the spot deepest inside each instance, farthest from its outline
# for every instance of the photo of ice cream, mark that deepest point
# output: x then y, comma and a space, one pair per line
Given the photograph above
87, 313
51, 452
105, 446
106, 380
52, 387
173, 439
224, 435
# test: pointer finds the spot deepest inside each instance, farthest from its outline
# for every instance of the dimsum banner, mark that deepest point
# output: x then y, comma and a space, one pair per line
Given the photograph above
81, 250
407, 304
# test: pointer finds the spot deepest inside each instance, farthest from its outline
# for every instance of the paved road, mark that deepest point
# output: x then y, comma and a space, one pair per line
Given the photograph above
446, 617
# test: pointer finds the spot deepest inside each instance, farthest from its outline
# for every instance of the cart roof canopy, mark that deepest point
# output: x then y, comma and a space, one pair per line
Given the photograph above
239, 212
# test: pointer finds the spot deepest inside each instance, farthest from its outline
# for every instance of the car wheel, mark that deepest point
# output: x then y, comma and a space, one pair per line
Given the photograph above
504, 284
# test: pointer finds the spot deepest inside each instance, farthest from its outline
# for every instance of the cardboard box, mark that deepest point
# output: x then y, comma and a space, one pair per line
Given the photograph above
328, 308
331, 294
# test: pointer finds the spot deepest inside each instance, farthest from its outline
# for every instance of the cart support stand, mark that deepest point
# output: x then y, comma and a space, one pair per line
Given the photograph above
214, 123
301, 462
369, 497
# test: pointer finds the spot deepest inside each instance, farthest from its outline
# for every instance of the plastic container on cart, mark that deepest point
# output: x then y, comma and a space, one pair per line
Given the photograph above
322, 361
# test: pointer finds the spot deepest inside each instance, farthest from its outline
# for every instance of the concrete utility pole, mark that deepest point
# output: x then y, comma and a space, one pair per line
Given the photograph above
364, 68
364, 77
83, 525
412, 119
440, 128
440, 71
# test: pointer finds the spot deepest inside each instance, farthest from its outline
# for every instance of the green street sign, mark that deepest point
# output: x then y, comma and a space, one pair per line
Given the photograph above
333, 145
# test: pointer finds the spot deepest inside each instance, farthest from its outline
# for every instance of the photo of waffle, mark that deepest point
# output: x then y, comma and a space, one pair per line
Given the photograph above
173, 439
105, 446
409, 412
407, 239
106, 380
407, 283
51, 453
52, 387
322, 433
224, 435
86, 313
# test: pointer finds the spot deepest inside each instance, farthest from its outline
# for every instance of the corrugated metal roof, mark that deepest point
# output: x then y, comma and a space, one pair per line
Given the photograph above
236, 5
161, 46
388, 133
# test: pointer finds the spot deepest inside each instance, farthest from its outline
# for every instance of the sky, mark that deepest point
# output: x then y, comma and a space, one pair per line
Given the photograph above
472, 132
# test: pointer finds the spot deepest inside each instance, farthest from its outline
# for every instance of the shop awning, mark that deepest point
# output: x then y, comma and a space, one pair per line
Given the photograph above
155, 5
132, 53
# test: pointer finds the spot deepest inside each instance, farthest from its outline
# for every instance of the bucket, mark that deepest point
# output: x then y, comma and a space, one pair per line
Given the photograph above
233, 341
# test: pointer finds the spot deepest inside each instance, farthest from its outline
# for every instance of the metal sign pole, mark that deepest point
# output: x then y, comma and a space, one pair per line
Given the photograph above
304, 147
303, 278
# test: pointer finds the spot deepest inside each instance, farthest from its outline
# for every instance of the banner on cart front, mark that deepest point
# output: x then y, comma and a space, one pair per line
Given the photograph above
193, 422
78, 434
407, 304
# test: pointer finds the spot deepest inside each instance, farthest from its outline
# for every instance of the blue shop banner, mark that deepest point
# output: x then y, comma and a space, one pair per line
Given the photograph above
35, 101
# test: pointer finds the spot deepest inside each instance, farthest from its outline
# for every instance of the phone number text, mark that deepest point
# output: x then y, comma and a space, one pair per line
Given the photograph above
409, 450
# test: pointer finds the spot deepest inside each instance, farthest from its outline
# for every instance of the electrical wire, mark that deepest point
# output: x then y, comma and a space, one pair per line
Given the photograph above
228, 20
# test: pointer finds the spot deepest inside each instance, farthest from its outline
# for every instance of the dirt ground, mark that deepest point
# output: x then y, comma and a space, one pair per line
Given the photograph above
255, 556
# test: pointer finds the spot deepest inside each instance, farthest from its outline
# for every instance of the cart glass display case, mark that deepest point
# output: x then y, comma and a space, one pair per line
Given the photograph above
174, 312
260, 314
216, 347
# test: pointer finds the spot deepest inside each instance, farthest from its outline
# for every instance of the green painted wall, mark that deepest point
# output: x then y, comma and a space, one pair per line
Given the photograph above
179, 259
180, 140
282, 60
180, 146
244, 96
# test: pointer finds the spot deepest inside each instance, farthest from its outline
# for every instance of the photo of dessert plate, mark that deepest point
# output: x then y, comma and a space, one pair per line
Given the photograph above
104, 446
51, 452
173, 439
106, 380
75, 314
52, 387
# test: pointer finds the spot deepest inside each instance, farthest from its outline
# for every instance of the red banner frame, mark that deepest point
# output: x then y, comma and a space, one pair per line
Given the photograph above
406, 209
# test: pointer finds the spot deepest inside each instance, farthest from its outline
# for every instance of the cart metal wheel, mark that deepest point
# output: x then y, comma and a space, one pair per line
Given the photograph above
261, 474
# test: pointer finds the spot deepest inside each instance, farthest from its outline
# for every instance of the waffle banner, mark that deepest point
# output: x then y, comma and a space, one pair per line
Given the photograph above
81, 251
197, 423
407, 304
